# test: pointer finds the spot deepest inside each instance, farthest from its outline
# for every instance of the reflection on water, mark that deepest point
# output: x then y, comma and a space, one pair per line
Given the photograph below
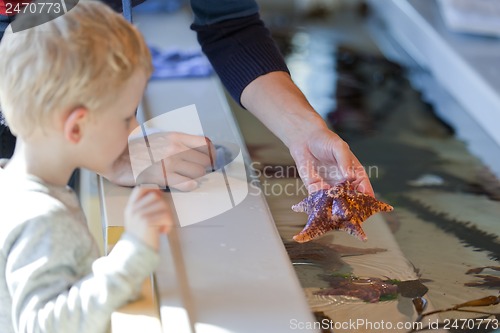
404, 139
447, 203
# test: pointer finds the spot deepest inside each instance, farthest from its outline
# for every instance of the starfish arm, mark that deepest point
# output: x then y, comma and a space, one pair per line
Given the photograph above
365, 206
301, 207
316, 226
383, 207
353, 229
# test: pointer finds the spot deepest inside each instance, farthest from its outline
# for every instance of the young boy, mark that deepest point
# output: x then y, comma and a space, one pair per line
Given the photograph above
69, 90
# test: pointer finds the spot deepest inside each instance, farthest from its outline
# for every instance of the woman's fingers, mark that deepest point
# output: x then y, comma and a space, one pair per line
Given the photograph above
186, 169
192, 156
181, 183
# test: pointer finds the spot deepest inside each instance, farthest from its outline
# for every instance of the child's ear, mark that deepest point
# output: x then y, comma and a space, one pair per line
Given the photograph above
74, 124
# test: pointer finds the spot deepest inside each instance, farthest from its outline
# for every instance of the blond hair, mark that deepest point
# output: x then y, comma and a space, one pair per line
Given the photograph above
81, 58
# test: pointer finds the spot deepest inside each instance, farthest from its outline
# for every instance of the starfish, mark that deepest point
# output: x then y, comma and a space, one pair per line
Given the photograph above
338, 208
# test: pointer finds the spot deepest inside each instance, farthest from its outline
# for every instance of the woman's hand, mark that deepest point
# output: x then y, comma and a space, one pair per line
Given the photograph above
168, 159
324, 159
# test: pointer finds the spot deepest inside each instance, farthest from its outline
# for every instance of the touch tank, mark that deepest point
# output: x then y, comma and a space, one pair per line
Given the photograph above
439, 249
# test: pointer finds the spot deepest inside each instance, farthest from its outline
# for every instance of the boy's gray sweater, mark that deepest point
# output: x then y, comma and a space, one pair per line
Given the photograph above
51, 279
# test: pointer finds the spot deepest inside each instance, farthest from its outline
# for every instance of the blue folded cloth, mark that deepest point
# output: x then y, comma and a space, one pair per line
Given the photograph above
173, 63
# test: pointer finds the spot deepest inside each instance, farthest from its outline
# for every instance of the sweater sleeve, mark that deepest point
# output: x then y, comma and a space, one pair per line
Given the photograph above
236, 42
50, 290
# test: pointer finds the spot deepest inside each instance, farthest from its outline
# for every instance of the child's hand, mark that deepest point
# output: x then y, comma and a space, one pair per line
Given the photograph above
147, 215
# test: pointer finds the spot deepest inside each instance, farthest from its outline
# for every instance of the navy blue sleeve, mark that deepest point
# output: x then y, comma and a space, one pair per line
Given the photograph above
236, 42
212, 11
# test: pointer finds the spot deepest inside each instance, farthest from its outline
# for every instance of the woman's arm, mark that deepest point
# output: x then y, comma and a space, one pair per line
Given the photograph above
322, 157
251, 67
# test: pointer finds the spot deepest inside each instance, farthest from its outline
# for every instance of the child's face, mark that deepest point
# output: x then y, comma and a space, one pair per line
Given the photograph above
108, 136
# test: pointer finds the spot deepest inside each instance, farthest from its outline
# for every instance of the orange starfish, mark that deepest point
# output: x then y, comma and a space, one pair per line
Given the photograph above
338, 208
